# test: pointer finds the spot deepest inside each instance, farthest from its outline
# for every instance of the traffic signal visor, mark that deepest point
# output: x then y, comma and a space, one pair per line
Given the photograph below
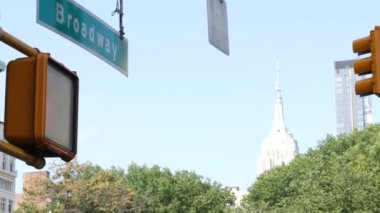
41, 107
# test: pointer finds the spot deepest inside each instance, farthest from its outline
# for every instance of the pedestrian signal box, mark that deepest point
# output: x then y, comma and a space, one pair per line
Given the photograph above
41, 107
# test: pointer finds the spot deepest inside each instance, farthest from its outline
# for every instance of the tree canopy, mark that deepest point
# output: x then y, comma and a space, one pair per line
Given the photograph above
89, 188
342, 174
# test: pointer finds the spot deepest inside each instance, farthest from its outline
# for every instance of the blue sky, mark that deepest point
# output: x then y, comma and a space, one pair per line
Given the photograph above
187, 106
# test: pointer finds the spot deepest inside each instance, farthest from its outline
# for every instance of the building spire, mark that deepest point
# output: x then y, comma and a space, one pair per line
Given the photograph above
278, 89
279, 147
278, 123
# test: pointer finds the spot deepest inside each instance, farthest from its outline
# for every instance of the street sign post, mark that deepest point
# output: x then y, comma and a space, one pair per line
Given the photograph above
80, 26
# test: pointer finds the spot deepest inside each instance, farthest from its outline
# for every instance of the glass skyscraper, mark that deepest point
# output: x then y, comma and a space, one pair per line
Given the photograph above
352, 111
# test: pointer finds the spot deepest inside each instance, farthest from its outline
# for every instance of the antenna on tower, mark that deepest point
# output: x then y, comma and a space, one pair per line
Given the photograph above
277, 65
119, 10
277, 75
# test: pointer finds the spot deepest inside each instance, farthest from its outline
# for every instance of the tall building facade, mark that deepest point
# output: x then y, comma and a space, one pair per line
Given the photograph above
29, 182
279, 147
7, 179
352, 111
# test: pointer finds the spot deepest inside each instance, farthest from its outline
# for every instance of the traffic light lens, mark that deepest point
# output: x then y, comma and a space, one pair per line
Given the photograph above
59, 106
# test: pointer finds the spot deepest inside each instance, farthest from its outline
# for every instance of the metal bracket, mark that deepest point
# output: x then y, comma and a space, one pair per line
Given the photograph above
17, 44
119, 10
36, 162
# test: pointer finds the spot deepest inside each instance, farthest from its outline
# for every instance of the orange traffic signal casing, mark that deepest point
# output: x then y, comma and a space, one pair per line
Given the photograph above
41, 107
371, 64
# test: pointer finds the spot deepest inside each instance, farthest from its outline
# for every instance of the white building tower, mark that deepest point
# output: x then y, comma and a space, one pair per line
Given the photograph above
280, 147
8, 175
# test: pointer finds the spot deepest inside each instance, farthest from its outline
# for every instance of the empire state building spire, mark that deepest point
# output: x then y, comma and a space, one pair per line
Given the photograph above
278, 122
279, 147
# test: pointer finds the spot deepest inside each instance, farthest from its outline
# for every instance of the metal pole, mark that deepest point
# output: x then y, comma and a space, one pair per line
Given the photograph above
17, 44
121, 13
37, 162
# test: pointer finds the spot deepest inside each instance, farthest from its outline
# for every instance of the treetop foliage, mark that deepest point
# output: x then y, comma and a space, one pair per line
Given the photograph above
342, 174
89, 188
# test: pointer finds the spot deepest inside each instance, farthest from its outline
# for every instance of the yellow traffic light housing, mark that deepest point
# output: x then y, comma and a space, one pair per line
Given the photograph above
41, 107
371, 64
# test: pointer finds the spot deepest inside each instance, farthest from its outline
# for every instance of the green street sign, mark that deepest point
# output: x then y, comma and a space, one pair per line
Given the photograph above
80, 26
